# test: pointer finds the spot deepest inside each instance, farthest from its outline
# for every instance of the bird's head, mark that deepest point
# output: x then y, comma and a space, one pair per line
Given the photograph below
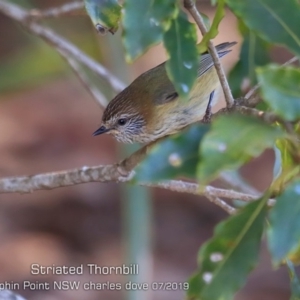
125, 121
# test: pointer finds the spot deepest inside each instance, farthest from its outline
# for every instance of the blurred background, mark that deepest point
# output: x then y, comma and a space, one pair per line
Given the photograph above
47, 119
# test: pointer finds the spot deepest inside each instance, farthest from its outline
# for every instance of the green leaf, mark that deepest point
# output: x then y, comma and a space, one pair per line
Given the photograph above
144, 23
180, 42
284, 231
285, 165
105, 14
214, 28
230, 255
295, 283
173, 157
280, 88
232, 141
275, 21
254, 52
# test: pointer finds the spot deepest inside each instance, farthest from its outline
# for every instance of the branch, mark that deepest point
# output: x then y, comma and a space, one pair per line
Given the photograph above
252, 99
65, 9
231, 210
93, 90
267, 117
191, 7
63, 46
237, 183
119, 172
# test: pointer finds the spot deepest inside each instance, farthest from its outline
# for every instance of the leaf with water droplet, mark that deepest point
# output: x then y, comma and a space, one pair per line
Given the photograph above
236, 244
232, 141
105, 14
173, 157
144, 23
180, 42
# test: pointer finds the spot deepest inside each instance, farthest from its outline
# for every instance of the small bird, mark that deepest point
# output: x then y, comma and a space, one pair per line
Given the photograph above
150, 108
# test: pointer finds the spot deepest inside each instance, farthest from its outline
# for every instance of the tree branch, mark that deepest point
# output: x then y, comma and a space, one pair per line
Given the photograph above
93, 90
123, 171
191, 7
59, 43
119, 172
55, 12
251, 98
231, 210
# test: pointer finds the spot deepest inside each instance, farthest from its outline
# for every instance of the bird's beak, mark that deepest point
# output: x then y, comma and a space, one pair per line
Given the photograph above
101, 130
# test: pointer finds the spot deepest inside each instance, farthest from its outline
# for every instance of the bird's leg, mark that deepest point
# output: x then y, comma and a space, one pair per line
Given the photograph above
207, 116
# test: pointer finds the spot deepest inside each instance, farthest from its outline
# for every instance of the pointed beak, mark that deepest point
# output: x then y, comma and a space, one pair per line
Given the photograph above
101, 130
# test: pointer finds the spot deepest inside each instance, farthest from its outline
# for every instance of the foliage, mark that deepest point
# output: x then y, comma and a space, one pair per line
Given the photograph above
202, 152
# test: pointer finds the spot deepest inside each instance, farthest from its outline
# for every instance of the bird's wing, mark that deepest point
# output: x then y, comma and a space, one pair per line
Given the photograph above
167, 93
206, 61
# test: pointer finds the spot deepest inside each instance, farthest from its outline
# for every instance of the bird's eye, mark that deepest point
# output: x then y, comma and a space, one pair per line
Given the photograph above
122, 122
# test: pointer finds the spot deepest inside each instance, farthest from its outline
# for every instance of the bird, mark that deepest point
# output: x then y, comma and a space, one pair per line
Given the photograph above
150, 108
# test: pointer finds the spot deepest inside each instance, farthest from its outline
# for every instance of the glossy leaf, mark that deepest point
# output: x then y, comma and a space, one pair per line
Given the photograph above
105, 14
275, 21
280, 88
180, 42
173, 157
226, 259
213, 30
284, 231
144, 23
232, 141
254, 52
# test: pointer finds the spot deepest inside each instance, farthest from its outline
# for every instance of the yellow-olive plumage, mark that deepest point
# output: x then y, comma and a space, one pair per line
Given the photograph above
149, 108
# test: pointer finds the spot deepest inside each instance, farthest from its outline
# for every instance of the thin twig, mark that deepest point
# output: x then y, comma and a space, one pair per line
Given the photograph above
267, 117
191, 7
216, 200
251, 98
68, 49
235, 182
55, 12
194, 188
94, 91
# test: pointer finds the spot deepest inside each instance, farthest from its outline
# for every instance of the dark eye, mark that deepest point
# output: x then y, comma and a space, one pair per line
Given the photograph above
122, 122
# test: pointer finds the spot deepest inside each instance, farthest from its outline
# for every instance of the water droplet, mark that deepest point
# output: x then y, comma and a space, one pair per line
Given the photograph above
222, 147
188, 64
207, 277
216, 257
297, 189
154, 22
184, 87
175, 160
